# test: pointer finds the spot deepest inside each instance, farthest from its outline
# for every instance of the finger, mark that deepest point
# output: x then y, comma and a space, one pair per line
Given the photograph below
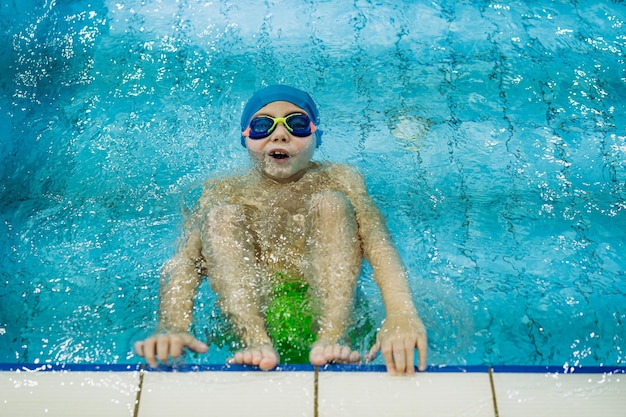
422, 348
409, 351
399, 358
197, 346
373, 352
387, 351
176, 346
163, 348
139, 348
149, 350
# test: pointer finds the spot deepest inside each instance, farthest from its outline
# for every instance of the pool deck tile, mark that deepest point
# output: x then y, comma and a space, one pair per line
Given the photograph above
425, 394
252, 393
557, 394
66, 394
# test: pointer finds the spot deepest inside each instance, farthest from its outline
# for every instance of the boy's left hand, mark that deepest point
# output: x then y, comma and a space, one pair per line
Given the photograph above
397, 340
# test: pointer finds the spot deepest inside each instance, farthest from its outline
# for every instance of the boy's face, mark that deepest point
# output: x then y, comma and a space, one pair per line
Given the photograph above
281, 155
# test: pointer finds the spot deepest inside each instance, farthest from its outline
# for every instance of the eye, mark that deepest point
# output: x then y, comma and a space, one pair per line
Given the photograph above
299, 122
261, 124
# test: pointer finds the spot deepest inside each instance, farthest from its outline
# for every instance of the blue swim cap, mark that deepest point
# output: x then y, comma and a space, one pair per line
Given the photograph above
273, 93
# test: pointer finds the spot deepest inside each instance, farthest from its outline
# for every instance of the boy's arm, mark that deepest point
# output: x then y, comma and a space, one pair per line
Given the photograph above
179, 281
403, 330
180, 276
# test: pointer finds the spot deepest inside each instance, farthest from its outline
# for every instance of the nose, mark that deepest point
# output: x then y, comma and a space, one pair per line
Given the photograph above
280, 133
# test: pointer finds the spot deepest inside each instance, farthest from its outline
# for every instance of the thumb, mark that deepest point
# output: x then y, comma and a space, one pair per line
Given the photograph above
373, 352
195, 345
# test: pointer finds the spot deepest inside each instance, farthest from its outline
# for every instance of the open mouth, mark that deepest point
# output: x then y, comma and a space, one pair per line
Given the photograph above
279, 155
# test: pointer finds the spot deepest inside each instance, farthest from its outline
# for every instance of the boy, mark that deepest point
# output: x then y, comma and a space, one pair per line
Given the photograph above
288, 217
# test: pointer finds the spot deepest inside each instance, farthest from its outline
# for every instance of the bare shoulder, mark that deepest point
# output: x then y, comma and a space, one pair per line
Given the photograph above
346, 175
216, 190
223, 183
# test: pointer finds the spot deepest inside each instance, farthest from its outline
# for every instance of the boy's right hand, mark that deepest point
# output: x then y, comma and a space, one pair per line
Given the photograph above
162, 346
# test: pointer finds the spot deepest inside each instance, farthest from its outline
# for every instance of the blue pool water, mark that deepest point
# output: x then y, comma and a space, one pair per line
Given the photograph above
492, 135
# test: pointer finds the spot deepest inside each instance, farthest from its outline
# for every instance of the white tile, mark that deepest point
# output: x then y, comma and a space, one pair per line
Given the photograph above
425, 394
258, 394
63, 393
571, 395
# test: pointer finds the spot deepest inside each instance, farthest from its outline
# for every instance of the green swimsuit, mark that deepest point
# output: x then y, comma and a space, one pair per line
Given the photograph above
289, 319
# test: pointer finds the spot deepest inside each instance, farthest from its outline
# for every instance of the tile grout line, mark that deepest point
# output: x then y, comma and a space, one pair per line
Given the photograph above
139, 389
315, 390
493, 393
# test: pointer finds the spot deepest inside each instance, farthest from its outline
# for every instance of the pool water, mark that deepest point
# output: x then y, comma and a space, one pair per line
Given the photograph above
491, 134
